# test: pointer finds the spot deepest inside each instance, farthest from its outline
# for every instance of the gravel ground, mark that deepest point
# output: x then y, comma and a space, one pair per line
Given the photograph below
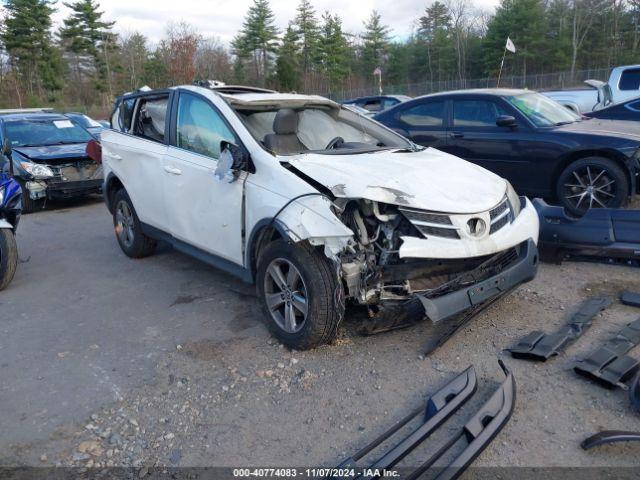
164, 361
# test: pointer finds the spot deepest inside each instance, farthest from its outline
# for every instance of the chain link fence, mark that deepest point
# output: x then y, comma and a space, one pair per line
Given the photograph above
538, 81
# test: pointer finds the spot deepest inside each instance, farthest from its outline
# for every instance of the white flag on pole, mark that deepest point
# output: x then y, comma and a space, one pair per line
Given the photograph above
510, 46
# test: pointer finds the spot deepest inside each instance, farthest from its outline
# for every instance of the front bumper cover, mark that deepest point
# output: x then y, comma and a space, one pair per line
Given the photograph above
521, 270
61, 189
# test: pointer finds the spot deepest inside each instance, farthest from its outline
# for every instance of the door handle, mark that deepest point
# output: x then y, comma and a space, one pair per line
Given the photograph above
456, 135
115, 156
172, 170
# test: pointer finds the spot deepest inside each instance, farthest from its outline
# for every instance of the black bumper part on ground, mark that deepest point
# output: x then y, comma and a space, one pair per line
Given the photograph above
609, 365
601, 232
630, 298
522, 270
541, 346
57, 189
610, 436
478, 432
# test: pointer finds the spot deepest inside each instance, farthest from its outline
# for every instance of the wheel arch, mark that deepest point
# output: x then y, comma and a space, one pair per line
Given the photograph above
571, 157
264, 232
111, 185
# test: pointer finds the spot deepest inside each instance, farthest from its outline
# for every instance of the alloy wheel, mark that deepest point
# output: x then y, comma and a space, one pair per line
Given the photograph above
590, 187
124, 224
286, 295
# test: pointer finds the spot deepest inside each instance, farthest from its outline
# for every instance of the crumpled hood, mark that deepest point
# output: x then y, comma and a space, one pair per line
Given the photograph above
428, 180
47, 153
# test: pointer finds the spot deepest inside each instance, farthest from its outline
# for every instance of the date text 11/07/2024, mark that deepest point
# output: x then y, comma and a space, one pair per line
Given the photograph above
314, 472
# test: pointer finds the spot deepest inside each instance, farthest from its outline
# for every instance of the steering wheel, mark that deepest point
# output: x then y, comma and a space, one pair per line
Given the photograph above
335, 143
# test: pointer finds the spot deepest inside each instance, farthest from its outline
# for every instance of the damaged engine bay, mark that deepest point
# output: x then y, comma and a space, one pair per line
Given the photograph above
373, 271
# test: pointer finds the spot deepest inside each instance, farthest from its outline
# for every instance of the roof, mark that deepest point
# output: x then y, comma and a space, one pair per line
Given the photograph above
290, 99
481, 91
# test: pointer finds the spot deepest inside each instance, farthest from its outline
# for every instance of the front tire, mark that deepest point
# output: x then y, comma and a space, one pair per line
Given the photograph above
28, 204
300, 293
592, 182
133, 242
8, 257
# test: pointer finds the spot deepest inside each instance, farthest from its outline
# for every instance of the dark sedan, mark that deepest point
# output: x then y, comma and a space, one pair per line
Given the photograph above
377, 103
542, 148
49, 157
629, 110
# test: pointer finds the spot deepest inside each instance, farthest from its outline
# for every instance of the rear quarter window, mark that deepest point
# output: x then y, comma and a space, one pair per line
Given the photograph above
630, 79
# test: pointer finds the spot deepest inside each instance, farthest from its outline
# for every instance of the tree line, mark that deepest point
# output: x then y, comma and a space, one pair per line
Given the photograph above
84, 63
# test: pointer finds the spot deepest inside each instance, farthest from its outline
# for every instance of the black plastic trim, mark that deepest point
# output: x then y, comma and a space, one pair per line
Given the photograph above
520, 271
609, 365
541, 346
609, 436
634, 393
206, 257
630, 298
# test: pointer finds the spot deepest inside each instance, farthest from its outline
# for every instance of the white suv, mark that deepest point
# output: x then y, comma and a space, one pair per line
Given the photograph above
317, 205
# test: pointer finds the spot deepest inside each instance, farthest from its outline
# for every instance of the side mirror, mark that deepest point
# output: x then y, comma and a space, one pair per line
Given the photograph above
506, 121
232, 161
7, 152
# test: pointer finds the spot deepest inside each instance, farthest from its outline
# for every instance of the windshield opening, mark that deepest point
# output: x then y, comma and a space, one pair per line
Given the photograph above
541, 110
318, 129
35, 133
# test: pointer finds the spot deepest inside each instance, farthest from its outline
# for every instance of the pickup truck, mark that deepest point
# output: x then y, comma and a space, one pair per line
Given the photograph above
623, 84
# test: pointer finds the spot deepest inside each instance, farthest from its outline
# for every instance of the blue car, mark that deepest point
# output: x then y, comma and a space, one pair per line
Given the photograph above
49, 157
10, 209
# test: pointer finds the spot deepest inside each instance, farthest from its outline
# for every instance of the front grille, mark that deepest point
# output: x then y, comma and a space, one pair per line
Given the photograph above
431, 224
500, 216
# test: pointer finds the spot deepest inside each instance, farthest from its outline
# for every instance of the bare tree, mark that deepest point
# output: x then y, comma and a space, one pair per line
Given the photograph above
584, 13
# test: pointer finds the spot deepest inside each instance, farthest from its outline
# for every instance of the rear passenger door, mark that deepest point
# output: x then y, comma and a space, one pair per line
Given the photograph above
424, 122
203, 210
135, 152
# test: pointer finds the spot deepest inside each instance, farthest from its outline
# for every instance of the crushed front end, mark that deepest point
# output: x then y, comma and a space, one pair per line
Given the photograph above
450, 263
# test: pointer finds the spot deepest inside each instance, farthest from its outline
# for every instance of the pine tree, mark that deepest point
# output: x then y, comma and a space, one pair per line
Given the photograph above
435, 30
375, 43
333, 50
89, 39
287, 67
27, 39
307, 29
257, 39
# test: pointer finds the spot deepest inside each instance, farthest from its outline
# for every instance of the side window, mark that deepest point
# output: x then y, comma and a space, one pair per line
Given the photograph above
389, 102
630, 79
424, 115
126, 114
372, 105
476, 113
151, 118
200, 127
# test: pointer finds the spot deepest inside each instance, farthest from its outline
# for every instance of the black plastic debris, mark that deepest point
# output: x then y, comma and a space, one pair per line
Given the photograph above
541, 346
603, 233
630, 298
477, 433
609, 436
609, 365
634, 393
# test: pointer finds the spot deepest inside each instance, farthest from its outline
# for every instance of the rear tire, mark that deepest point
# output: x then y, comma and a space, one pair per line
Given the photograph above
132, 241
305, 306
592, 182
8, 257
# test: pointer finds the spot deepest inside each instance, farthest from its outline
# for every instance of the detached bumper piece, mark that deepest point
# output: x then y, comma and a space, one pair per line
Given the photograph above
609, 365
506, 277
477, 433
541, 346
631, 299
601, 233
610, 436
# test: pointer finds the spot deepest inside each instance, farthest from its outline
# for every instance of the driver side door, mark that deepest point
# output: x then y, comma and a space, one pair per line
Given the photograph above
204, 211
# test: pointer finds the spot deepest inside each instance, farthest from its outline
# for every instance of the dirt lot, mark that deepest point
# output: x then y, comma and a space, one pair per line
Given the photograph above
164, 361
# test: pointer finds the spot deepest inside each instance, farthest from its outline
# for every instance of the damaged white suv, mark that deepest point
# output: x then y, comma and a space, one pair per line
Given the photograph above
317, 205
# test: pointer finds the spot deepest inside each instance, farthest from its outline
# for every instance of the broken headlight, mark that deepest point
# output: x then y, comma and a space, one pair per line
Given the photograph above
514, 200
38, 171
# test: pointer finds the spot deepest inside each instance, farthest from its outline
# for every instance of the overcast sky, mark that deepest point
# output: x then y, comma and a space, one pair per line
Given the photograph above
223, 18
